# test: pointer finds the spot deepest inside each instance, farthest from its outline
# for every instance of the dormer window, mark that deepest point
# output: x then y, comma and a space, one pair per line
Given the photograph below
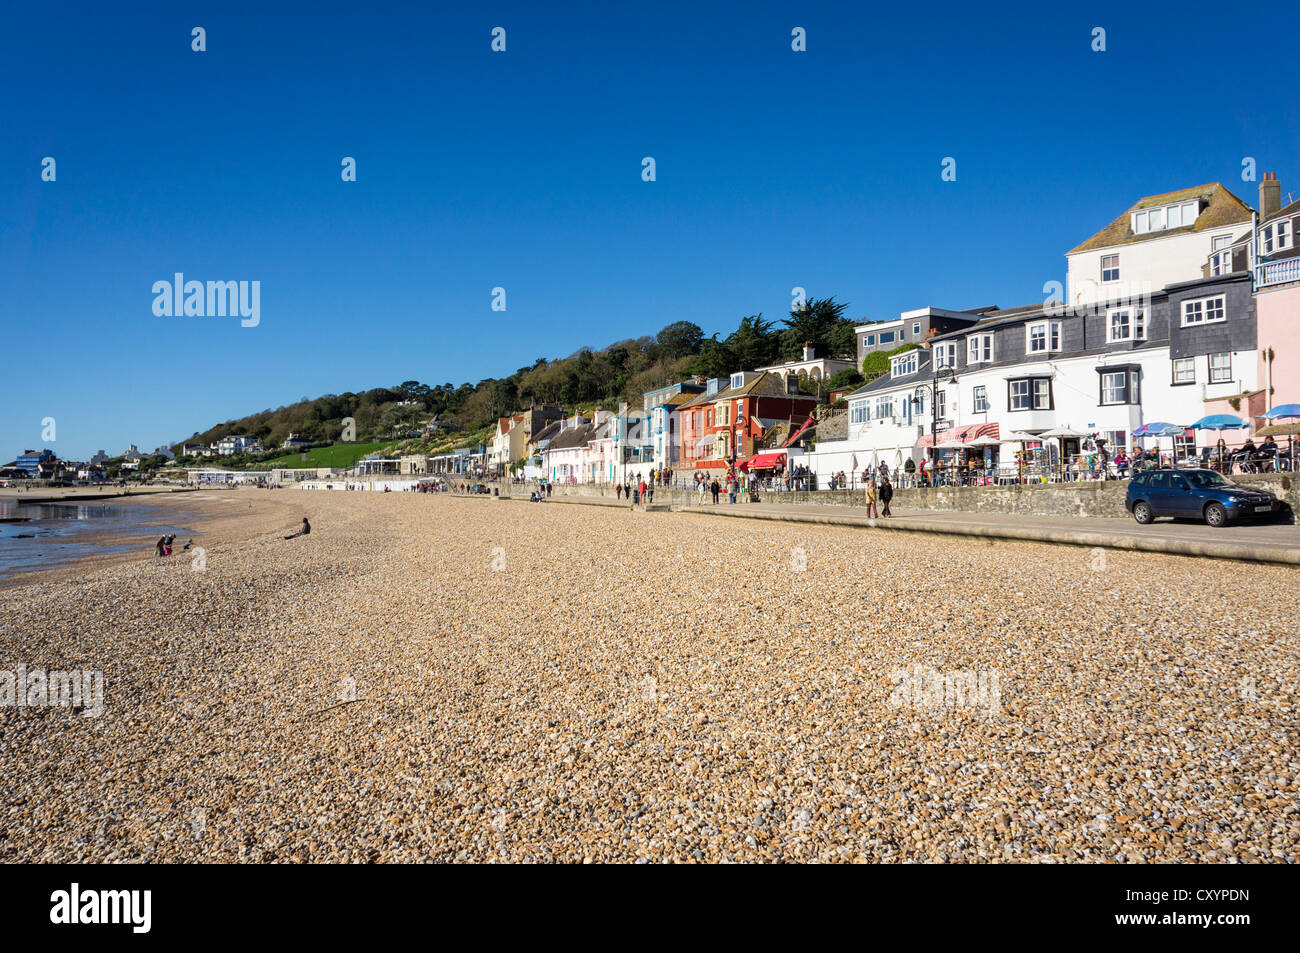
945, 355
738, 380
1275, 236
903, 365
1165, 217
979, 349
1043, 336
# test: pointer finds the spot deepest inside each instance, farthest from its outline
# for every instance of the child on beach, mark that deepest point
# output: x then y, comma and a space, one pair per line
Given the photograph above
306, 528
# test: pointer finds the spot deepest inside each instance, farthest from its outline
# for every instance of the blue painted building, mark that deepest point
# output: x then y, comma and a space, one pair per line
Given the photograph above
31, 460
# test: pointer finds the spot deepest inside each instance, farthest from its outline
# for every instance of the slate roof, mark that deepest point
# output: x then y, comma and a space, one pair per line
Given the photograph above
887, 383
1221, 208
572, 438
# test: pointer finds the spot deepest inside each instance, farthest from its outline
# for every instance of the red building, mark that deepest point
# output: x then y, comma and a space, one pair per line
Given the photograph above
725, 422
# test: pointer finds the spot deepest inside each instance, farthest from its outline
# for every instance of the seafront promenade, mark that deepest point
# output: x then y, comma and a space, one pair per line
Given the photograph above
1248, 542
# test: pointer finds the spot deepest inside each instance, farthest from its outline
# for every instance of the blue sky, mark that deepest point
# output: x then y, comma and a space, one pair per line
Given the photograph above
522, 170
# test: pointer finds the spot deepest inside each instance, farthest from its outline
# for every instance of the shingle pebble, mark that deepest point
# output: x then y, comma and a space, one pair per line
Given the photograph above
649, 687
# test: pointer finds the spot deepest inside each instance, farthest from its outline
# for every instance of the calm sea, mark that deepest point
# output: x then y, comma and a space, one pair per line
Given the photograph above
41, 535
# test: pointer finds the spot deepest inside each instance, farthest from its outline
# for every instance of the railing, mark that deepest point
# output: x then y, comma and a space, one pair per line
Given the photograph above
1278, 272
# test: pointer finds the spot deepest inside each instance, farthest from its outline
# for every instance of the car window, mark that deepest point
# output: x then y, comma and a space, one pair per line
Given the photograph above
1178, 482
1158, 481
1141, 480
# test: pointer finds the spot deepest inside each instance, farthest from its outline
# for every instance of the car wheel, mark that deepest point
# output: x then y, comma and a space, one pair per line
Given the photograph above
1215, 514
1143, 513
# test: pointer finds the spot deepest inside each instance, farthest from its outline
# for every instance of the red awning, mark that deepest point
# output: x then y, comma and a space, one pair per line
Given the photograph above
764, 461
968, 432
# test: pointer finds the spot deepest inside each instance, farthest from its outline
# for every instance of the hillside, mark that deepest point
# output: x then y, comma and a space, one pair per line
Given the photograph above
623, 371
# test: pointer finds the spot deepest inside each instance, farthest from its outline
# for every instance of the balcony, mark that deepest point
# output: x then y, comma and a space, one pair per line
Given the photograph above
1277, 272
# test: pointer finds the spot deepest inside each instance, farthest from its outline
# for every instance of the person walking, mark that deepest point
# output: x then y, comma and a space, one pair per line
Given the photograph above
716, 487
870, 491
702, 487
886, 494
618, 491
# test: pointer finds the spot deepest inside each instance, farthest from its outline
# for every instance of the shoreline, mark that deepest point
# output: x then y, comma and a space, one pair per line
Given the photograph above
216, 519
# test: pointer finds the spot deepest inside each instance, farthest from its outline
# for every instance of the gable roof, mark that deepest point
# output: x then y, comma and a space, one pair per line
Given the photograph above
572, 438
1220, 208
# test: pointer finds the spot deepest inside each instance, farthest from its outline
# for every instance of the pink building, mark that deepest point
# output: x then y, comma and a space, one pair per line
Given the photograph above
1277, 300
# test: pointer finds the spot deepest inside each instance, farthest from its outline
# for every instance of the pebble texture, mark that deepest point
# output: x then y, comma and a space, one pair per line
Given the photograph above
431, 678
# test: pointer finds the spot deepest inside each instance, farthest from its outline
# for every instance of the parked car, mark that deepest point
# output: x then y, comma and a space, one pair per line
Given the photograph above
479, 488
1198, 494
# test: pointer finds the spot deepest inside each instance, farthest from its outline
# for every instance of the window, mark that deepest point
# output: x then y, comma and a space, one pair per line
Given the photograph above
871, 341
916, 329
1220, 368
1114, 387
945, 355
980, 399
1203, 311
859, 412
886, 337
1043, 336
1167, 216
903, 364
884, 407
1185, 370
724, 414
1126, 324
1030, 393
1276, 236
1110, 267
737, 380
979, 349
941, 402
1221, 263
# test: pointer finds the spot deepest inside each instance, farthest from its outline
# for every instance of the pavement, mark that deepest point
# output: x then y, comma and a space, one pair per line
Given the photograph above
1251, 542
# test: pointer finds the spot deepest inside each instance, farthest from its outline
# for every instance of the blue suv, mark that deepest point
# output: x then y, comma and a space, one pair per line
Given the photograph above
1197, 494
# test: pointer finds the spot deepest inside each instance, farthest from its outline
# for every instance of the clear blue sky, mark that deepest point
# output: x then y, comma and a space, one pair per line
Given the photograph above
523, 169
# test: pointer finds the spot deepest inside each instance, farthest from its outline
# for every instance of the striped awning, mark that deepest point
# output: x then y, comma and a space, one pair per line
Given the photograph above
962, 434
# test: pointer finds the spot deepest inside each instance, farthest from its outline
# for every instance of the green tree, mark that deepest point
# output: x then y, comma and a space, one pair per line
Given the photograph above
753, 344
679, 339
821, 323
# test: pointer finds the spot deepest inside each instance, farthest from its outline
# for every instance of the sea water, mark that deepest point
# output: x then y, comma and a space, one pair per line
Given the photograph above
41, 535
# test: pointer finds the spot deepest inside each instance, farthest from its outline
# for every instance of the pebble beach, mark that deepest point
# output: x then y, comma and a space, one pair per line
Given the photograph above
430, 678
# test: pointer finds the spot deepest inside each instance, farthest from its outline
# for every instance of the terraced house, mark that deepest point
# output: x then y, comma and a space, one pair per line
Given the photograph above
727, 420
1158, 323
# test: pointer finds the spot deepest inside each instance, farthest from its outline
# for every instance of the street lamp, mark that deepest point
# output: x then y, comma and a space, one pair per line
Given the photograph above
945, 375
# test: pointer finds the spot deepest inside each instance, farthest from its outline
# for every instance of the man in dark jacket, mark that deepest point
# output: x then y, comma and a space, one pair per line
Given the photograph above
886, 494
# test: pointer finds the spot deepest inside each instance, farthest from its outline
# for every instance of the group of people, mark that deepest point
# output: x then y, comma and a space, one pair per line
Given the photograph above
1249, 458
884, 492
164, 545
635, 490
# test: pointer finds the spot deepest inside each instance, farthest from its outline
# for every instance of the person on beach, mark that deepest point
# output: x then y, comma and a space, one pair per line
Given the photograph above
618, 491
701, 487
306, 528
870, 491
716, 488
161, 546
886, 494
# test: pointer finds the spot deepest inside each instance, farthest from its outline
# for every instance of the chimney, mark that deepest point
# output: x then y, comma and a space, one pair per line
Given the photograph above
807, 350
1270, 196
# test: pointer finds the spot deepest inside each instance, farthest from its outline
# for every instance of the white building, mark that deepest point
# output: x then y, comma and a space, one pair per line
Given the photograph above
1160, 240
